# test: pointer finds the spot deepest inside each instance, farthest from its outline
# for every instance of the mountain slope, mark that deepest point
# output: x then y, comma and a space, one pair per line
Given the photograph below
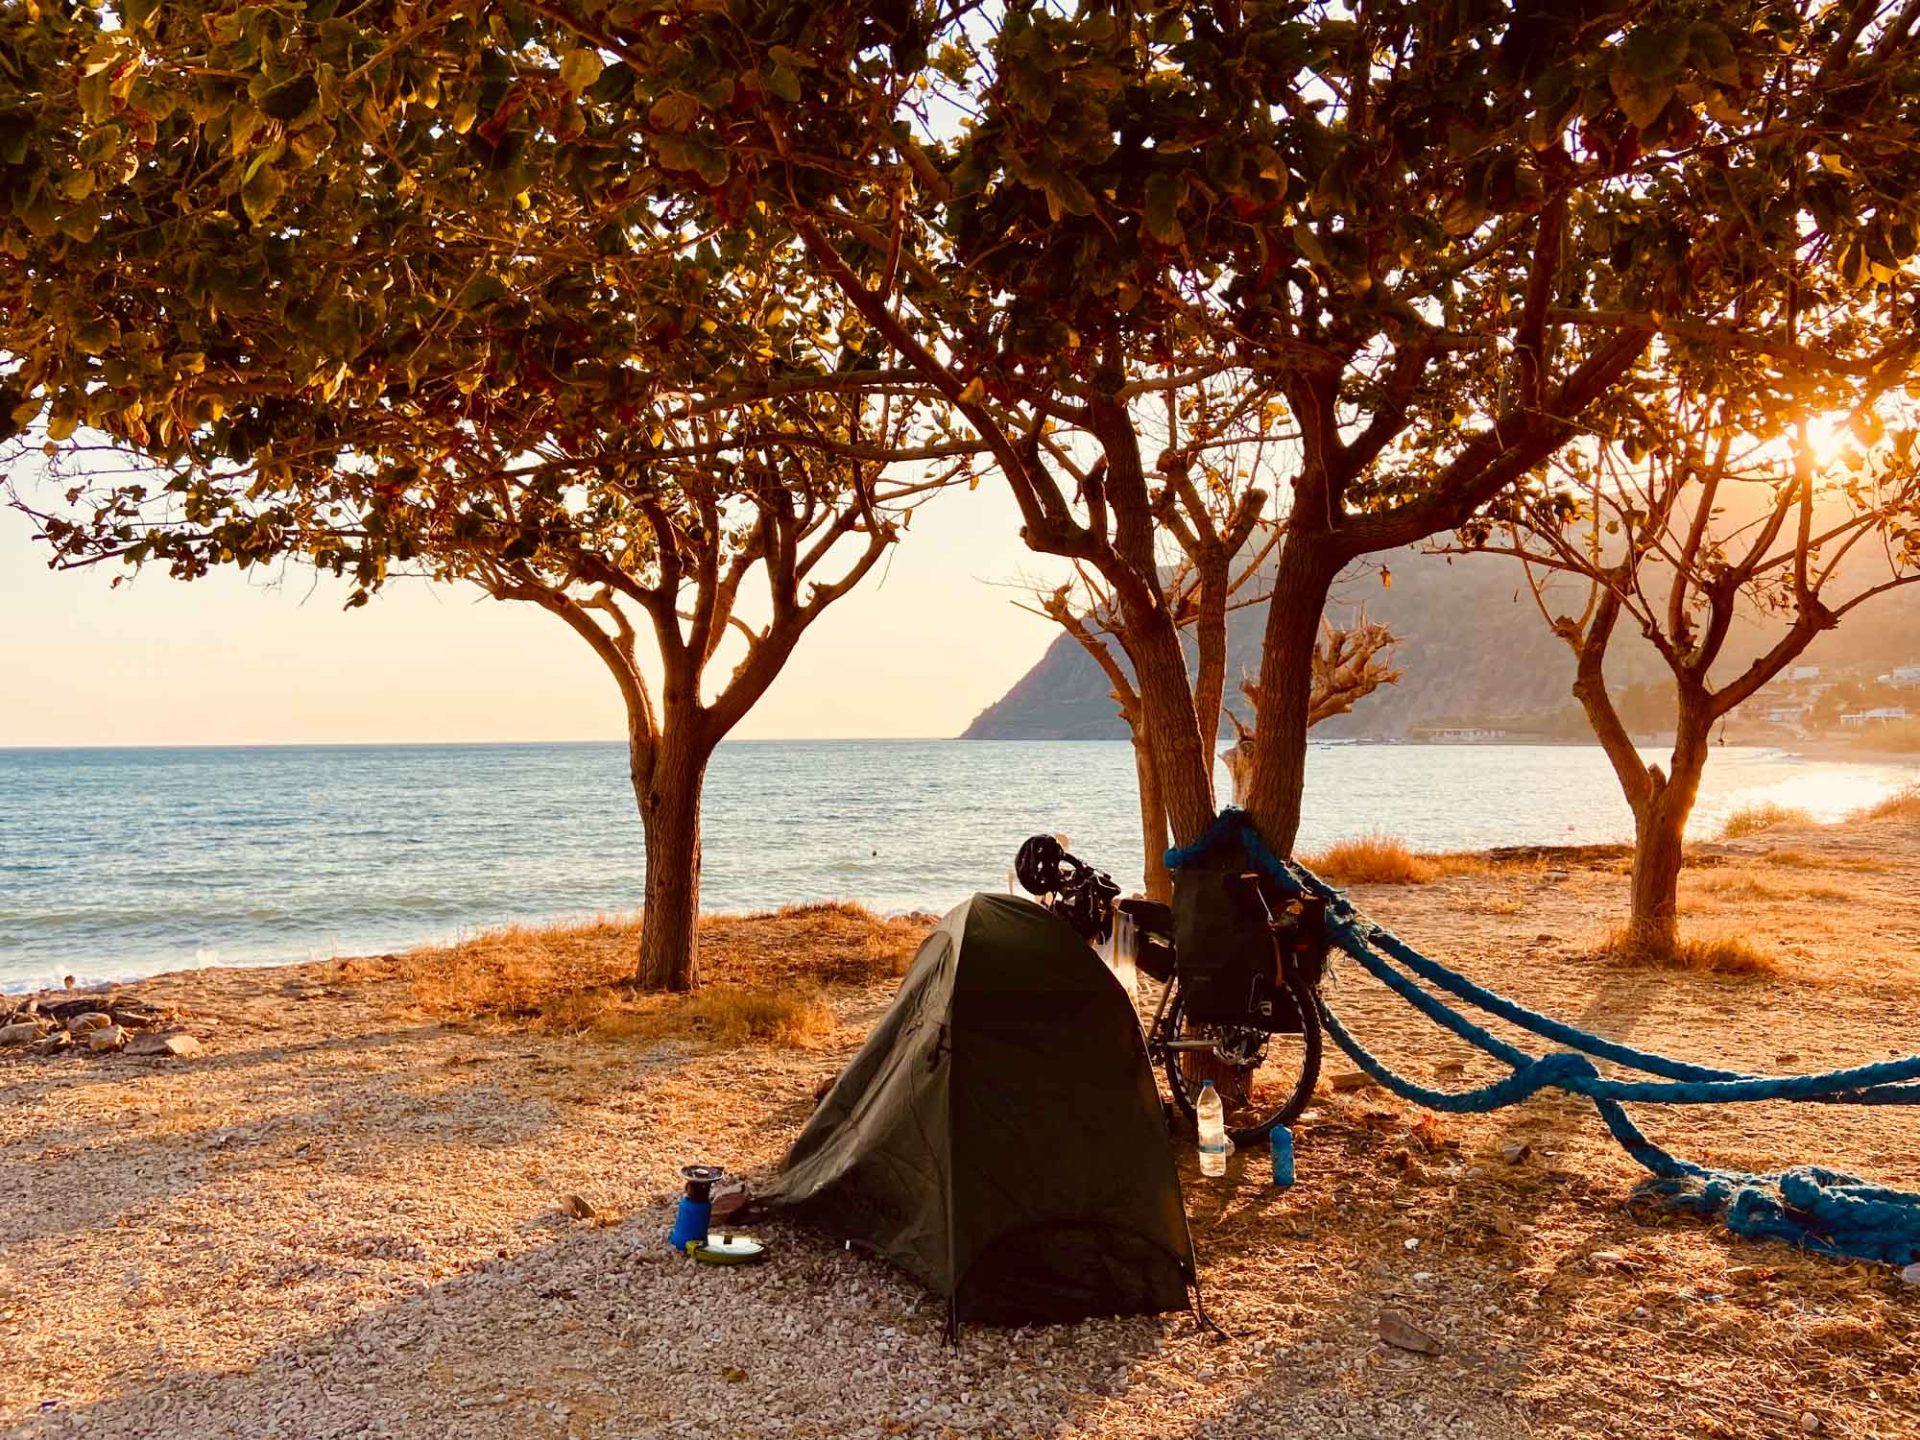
1472, 645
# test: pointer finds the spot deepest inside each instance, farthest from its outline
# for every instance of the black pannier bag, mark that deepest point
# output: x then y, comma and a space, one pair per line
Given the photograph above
1225, 950
1153, 936
1229, 954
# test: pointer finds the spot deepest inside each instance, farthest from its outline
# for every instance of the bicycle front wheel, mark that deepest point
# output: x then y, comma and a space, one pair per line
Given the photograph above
1263, 1079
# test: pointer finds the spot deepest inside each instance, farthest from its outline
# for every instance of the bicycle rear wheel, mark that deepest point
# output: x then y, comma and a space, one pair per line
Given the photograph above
1264, 1079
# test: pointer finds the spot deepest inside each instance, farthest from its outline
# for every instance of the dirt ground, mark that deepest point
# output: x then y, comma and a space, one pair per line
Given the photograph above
350, 1218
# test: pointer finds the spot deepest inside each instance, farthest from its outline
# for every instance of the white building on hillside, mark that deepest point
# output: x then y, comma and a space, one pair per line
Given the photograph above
1879, 715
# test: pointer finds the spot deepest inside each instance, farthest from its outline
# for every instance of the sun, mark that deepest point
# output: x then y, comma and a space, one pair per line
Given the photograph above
1829, 437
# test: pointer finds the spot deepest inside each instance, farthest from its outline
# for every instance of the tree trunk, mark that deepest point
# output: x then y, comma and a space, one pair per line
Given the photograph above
1210, 646
1182, 758
1659, 842
1302, 576
1153, 820
669, 797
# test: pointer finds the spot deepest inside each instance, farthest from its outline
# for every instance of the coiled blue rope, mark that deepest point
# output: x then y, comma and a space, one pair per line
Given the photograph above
1817, 1209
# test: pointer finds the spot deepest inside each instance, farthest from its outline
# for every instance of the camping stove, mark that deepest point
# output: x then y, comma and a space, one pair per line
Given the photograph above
696, 1206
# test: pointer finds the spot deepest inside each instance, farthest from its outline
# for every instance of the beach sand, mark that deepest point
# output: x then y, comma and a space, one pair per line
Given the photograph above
352, 1216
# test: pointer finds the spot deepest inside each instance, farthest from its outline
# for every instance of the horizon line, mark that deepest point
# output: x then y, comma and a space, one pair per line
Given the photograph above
368, 744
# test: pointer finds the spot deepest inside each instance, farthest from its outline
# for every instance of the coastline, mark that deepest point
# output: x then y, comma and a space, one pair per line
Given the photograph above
150, 900
363, 1209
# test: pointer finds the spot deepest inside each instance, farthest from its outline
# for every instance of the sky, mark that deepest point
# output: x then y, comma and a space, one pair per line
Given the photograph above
917, 650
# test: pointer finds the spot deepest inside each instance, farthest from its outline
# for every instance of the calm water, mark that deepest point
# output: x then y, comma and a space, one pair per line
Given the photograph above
120, 862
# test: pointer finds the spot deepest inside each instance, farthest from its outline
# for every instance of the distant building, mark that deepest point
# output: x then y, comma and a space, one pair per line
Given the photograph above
1797, 673
1462, 734
1787, 714
1879, 715
1905, 676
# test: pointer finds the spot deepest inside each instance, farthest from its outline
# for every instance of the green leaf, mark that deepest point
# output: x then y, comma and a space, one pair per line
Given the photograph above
1164, 194
16, 133
481, 290
291, 99
1308, 244
1065, 194
675, 111
579, 68
691, 152
1712, 53
1640, 100
262, 192
1646, 68
785, 83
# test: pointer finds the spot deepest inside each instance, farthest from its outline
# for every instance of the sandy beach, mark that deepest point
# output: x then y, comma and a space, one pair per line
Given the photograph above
358, 1214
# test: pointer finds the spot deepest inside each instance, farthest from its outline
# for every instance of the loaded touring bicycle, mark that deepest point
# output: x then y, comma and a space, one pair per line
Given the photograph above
1239, 968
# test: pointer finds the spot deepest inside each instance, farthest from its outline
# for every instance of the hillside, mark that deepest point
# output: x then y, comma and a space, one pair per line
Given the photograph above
1472, 647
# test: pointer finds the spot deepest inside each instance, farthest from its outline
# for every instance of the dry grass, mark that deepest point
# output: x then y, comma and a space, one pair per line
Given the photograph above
1710, 955
1385, 860
764, 976
1742, 885
1901, 805
1803, 860
1490, 904
1753, 819
717, 1014
1372, 860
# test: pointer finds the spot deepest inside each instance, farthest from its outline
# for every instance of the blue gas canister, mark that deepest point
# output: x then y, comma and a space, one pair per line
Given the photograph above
1281, 1142
696, 1206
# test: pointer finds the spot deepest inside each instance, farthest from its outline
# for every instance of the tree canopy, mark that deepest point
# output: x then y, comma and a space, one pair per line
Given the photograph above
405, 353
1692, 516
1438, 241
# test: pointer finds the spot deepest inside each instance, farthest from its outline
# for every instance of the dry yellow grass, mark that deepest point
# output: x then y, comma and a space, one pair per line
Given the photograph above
1372, 860
1491, 904
1901, 805
1753, 819
1712, 955
1742, 885
1803, 860
1385, 860
764, 976
717, 1014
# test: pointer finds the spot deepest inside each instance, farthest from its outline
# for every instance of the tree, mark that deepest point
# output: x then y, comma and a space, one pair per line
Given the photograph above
402, 351
1349, 664
1440, 237
1684, 518
1215, 440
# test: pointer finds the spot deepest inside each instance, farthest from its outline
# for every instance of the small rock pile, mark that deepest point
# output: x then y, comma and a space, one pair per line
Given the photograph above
93, 1024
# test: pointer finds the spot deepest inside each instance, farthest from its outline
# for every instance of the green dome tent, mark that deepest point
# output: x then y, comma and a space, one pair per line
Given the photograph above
1000, 1136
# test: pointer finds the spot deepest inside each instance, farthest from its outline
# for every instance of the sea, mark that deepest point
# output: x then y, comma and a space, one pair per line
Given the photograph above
116, 863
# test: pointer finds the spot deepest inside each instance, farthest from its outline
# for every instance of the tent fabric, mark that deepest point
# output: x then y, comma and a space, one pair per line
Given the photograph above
1000, 1136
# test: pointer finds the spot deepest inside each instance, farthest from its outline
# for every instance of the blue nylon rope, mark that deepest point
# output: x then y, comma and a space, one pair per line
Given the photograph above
1821, 1210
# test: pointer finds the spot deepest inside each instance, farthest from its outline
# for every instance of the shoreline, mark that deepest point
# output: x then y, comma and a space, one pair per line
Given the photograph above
427, 1197
136, 971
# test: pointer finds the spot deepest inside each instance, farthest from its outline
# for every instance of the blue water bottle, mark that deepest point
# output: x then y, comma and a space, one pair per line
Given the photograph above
696, 1206
1281, 1141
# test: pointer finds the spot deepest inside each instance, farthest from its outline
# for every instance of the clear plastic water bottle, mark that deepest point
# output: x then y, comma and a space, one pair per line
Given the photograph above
1212, 1116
